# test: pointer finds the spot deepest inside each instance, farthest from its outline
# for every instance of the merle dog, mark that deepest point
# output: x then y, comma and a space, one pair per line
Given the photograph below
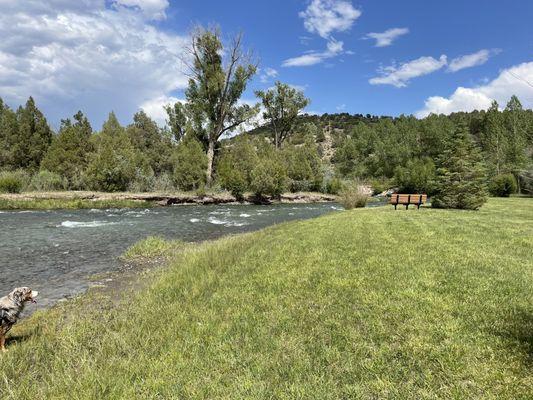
10, 308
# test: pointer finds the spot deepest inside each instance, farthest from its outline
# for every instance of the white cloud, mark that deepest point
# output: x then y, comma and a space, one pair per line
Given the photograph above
341, 107
83, 55
400, 76
334, 48
386, 38
326, 16
153, 9
471, 60
303, 60
267, 74
516, 80
155, 108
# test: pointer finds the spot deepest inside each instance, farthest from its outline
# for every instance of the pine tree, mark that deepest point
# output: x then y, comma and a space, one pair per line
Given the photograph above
494, 140
116, 163
147, 138
8, 136
516, 126
70, 151
461, 180
33, 138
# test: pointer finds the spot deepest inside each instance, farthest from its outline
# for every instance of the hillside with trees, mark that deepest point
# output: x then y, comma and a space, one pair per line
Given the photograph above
202, 145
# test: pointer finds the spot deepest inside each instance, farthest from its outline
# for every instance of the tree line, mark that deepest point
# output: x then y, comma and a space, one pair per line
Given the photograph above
289, 151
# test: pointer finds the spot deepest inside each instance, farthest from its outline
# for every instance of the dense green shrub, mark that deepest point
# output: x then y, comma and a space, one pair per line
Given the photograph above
190, 164
333, 185
47, 181
13, 181
236, 165
503, 185
269, 178
163, 183
304, 167
461, 174
143, 180
352, 197
417, 176
379, 185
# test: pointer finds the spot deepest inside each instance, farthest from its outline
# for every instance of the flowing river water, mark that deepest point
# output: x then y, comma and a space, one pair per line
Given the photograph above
57, 251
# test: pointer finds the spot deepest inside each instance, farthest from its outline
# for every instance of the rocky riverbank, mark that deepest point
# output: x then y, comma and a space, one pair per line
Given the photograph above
86, 199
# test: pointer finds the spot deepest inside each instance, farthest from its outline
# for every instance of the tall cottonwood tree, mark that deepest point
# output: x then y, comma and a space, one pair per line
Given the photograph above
282, 105
218, 79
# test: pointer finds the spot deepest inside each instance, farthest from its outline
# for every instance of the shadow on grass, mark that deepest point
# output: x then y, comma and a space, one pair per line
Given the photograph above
517, 330
19, 338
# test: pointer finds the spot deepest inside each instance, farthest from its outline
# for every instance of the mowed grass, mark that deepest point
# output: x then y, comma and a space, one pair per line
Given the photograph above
369, 303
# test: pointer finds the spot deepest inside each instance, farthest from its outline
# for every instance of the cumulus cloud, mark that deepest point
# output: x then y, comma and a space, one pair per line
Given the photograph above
334, 48
471, 60
386, 38
153, 9
326, 16
89, 54
516, 80
267, 74
155, 107
400, 76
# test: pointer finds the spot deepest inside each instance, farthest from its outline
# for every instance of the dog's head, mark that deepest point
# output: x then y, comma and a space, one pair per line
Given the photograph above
24, 294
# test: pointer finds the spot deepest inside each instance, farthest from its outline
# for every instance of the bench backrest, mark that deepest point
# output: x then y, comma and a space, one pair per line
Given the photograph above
408, 198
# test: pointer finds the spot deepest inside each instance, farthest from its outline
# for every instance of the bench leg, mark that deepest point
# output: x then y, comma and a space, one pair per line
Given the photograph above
396, 205
407, 206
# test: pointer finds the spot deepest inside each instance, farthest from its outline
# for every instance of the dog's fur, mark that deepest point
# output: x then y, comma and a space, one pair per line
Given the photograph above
10, 308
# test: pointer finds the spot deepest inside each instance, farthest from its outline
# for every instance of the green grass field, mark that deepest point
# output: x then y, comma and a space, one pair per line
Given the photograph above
370, 303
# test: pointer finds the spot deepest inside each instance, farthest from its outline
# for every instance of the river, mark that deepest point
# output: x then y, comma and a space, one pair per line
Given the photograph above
57, 251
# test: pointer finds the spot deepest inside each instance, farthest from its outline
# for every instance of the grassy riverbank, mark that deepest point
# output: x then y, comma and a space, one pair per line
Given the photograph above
85, 199
369, 303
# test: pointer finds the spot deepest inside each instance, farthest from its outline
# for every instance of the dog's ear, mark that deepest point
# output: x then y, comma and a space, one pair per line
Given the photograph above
17, 294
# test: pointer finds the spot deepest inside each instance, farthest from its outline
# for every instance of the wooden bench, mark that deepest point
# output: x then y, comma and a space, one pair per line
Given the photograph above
407, 199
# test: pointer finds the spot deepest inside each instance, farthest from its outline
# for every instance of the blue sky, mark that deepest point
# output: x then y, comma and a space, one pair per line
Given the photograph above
379, 57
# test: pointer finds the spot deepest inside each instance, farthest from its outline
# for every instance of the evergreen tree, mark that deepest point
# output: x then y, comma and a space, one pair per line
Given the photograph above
116, 163
33, 138
235, 167
494, 139
516, 126
8, 136
71, 150
147, 138
189, 162
461, 180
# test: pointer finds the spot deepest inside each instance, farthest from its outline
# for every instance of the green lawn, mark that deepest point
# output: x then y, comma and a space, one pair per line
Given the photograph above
370, 303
